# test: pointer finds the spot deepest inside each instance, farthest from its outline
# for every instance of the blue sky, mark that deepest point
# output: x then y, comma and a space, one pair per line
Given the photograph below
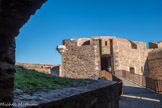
137, 20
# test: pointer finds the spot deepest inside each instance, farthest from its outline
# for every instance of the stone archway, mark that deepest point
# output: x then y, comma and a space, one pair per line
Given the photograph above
105, 62
132, 70
13, 15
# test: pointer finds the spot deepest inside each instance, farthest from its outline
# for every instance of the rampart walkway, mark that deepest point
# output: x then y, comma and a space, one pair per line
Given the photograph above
138, 97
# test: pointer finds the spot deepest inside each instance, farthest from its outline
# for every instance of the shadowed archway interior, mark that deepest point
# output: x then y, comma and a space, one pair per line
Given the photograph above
13, 15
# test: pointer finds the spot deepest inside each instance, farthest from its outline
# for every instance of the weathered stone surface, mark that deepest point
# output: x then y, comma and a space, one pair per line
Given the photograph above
13, 15
18, 92
154, 45
7, 70
132, 57
155, 63
86, 57
86, 94
79, 61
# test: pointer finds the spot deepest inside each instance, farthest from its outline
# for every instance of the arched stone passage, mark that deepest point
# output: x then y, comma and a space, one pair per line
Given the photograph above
13, 15
132, 70
86, 43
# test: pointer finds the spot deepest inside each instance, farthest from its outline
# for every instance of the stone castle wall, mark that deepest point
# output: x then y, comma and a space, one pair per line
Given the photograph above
134, 56
79, 61
44, 68
7, 70
155, 64
56, 70
81, 58
154, 45
126, 54
101, 97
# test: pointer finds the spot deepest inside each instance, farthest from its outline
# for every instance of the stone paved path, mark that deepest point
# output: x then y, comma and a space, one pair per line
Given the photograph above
138, 97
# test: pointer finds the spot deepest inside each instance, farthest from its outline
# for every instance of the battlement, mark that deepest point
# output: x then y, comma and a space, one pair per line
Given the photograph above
153, 45
86, 57
106, 40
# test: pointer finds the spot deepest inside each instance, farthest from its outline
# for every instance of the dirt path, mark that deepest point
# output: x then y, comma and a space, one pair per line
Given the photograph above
138, 97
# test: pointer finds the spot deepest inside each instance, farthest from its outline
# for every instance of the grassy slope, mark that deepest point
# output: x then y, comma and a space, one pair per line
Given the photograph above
30, 80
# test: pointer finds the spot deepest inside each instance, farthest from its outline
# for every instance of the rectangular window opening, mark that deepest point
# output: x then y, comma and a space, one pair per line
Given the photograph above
105, 43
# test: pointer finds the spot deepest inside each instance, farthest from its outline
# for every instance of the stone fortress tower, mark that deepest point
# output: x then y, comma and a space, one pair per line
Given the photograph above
86, 57
155, 64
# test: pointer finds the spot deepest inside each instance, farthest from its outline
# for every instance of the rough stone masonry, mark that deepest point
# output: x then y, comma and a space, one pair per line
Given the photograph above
13, 15
86, 57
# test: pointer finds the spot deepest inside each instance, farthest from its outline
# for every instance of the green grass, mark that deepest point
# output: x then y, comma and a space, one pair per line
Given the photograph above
31, 80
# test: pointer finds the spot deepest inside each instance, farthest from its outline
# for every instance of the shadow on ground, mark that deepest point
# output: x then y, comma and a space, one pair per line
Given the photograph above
135, 96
